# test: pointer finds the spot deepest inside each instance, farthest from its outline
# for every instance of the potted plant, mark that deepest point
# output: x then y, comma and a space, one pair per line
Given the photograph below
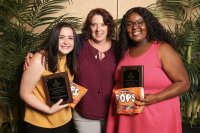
18, 20
187, 37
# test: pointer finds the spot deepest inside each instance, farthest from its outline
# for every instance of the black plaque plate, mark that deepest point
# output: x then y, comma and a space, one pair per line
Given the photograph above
57, 87
132, 76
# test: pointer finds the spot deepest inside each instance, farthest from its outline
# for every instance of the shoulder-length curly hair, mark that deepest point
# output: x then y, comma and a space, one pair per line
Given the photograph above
107, 19
155, 31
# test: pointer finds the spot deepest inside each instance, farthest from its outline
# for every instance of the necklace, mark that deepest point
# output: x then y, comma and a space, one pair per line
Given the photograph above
93, 50
95, 54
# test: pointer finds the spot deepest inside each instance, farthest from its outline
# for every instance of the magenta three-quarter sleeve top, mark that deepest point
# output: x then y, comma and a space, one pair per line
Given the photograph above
98, 77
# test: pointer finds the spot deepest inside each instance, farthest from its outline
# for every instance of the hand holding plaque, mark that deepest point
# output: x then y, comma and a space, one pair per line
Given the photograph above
132, 76
57, 87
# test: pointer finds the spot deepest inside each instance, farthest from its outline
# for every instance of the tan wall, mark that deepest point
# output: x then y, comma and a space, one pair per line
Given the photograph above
117, 8
125, 5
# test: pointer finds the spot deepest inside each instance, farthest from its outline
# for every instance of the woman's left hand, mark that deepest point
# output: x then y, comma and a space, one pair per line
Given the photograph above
147, 100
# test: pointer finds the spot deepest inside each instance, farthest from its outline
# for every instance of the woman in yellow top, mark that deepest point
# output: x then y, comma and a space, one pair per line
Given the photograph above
58, 56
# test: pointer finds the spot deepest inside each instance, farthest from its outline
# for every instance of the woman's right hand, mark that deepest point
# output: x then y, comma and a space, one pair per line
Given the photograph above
56, 107
27, 61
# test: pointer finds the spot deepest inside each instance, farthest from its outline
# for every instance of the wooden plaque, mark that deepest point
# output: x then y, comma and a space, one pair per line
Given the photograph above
132, 76
57, 87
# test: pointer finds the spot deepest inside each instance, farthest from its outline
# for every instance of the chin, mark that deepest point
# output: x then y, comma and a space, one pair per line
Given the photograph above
65, 52
99, 39
136, 41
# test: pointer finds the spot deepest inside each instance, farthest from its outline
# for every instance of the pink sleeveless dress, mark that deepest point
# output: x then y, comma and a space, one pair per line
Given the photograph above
162, 117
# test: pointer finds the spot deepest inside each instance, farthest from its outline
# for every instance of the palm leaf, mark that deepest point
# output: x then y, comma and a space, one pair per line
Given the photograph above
16, 41
186, 35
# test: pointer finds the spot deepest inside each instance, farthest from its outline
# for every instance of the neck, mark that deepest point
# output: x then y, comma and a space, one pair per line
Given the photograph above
63, 55
101, 46
96, 43
141, 44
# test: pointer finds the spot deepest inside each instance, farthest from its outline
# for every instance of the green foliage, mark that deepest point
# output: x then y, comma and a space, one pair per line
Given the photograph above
186, 35
9, 96
18, 20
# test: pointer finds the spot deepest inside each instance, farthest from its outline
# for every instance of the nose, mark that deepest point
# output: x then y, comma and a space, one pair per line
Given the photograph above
65, 41
134, 26
98, 28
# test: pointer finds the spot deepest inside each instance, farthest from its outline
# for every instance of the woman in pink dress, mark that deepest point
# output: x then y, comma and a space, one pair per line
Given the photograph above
144, 41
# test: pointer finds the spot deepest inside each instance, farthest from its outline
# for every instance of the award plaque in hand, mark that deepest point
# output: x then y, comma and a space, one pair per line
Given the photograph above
132, 76
57, 87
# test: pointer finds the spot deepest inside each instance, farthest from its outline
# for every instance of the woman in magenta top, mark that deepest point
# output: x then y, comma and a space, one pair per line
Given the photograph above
96, 66
144, 41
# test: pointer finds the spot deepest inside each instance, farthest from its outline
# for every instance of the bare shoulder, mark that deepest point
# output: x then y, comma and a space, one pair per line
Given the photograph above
38, 59
172, 64
165, 47
171, 61
166, 50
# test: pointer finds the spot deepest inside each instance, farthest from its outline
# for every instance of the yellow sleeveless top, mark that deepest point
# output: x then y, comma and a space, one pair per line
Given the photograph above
42, 119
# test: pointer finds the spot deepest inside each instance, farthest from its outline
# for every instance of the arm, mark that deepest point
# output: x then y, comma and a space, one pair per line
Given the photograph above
29, 80
175, 70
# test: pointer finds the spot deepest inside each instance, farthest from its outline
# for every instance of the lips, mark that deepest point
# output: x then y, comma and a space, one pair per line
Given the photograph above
136, 33
65, 47
98, 34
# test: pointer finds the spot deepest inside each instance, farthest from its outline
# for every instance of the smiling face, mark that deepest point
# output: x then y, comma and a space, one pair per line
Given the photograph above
136, 33
98, 29
66, 40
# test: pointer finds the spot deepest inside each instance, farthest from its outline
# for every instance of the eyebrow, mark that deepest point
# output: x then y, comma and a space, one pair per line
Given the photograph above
97, 23
136, 20
69, 36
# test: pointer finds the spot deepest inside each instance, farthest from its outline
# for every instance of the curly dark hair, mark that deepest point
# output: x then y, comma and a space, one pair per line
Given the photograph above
107, 19
155, 31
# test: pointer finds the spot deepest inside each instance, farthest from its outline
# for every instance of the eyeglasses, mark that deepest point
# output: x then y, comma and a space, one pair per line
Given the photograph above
138, 23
